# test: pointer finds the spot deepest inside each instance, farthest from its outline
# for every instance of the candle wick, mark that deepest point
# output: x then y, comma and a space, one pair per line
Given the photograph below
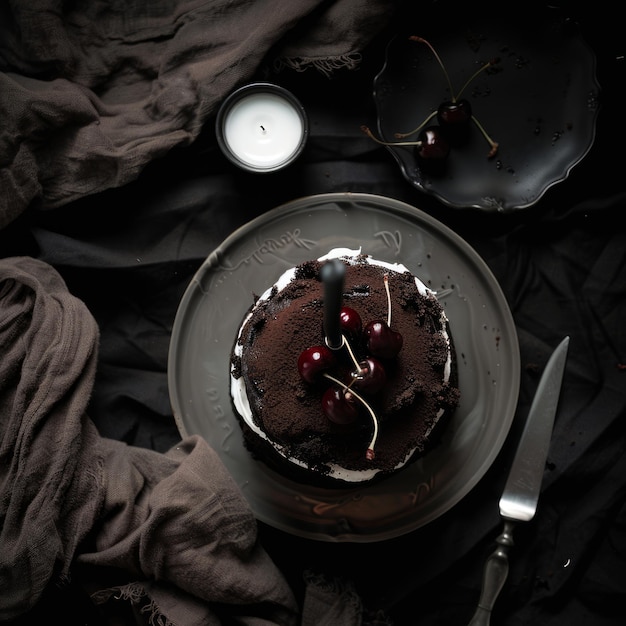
262, 128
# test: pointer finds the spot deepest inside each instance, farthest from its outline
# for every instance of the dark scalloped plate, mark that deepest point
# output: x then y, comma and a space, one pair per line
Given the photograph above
540, 104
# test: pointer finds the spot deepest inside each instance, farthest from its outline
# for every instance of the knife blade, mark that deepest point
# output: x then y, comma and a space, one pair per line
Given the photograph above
519, 499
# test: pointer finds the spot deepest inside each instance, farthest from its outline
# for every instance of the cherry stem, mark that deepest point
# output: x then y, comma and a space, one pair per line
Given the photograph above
416, 130
443, 67
386, 279
472, 77
343, 341
346, 343
371, 135
493, 144
370, 448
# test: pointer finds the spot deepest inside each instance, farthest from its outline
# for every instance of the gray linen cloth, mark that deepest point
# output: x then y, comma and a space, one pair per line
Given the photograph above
73, 503
91, 92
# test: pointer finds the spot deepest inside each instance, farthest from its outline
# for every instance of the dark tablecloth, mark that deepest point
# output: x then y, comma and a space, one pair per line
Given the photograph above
129, 253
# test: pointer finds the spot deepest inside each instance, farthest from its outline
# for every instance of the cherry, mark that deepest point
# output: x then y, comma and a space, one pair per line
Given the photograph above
371, 377
431, 146
432, 149
339, 405
382, 341
454, 117
350, 322
314, 361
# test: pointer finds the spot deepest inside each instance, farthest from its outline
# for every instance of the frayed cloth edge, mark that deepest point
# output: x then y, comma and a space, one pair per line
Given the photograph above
136, 595
347, 591
325, 65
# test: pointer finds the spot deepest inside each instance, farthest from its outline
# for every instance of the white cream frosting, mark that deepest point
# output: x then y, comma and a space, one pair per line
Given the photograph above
238, 387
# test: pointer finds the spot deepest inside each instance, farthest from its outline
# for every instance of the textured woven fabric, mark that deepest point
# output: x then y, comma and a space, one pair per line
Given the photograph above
174, 524
91, 93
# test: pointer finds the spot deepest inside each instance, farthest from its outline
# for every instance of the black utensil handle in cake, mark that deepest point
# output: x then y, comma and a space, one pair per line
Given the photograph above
333, 273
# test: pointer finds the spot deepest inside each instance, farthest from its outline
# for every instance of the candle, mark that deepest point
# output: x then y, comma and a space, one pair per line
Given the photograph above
261, 127
332, 273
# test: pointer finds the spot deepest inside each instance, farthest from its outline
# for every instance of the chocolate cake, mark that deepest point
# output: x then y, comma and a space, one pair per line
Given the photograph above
282, 412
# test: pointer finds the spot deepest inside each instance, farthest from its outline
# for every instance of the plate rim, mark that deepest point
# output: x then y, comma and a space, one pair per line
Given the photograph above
421, 217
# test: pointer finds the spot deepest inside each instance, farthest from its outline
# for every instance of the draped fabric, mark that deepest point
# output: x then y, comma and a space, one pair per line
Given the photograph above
129, 252
175, 523
90, 93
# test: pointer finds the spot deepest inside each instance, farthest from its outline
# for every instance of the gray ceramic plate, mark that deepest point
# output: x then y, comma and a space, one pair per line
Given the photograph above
540, 104
251, 259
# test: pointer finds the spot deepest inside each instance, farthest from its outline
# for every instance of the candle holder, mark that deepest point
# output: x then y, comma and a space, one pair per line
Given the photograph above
261, 127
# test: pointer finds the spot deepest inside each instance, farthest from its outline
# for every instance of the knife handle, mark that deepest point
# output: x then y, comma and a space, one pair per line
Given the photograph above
495, 573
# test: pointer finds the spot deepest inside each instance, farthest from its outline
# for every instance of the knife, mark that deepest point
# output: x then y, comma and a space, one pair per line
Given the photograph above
521, 491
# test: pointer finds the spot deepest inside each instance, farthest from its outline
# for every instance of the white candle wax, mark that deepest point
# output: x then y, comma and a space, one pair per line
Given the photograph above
262, 130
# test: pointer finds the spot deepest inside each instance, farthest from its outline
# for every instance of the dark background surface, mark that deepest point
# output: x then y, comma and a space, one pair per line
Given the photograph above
129, 254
